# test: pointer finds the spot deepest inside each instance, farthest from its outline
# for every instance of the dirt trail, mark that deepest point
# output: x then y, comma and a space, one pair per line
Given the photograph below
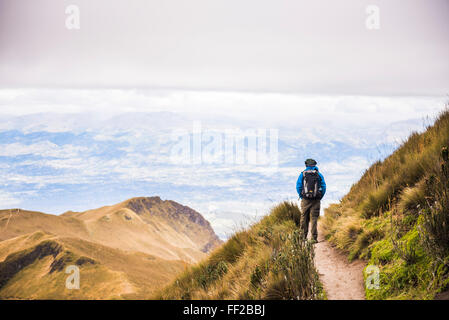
342, 280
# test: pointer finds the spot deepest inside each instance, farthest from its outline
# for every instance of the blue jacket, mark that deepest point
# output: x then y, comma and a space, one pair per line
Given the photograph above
300, 182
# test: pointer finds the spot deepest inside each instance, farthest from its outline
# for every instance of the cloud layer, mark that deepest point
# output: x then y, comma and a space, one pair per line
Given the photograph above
88, 148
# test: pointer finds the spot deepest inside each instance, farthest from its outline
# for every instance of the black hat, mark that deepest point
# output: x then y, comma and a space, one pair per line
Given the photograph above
310, 162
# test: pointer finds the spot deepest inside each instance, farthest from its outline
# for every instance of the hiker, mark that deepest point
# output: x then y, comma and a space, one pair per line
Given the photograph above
311, 188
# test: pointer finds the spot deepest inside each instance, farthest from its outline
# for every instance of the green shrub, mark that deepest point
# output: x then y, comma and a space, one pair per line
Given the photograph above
210, 273
382, 252
293, 272
407, 247
257, 276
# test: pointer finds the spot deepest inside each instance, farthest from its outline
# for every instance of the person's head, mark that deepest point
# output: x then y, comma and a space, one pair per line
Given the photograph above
310, 163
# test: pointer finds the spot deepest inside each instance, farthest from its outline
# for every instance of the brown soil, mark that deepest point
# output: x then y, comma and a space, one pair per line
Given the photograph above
342, 280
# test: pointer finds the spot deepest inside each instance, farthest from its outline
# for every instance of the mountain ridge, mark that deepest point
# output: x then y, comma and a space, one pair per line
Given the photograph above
121, 253
182, 225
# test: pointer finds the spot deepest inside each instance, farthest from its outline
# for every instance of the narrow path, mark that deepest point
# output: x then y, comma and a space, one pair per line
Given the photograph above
341, 280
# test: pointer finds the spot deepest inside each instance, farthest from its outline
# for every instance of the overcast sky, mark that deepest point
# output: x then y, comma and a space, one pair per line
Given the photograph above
320, 47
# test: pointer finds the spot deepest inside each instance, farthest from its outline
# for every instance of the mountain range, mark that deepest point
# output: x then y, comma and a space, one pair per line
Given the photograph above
126, 250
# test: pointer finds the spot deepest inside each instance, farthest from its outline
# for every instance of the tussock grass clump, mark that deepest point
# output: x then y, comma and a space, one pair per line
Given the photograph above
413, 198
286, 211
270, 260
349, 229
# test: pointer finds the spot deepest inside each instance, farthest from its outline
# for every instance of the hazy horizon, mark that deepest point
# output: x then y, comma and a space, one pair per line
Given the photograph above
111, 145
107, 100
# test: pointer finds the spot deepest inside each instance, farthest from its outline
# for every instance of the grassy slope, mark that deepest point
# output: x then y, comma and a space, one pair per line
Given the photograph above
161, 228
33, 267
18, 222
397, 218
136, 247
268, 261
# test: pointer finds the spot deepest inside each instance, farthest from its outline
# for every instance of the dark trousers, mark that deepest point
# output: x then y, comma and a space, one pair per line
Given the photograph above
310, 211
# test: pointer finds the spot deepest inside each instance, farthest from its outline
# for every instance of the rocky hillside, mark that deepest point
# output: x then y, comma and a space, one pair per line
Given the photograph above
122, 251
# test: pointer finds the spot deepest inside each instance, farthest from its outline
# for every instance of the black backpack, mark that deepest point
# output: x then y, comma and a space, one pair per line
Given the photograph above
311, 185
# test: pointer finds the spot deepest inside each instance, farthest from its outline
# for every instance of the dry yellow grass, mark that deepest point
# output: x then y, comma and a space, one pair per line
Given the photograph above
270, 260
396, 184
106, 273
396, 216
135, 247
161, 228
